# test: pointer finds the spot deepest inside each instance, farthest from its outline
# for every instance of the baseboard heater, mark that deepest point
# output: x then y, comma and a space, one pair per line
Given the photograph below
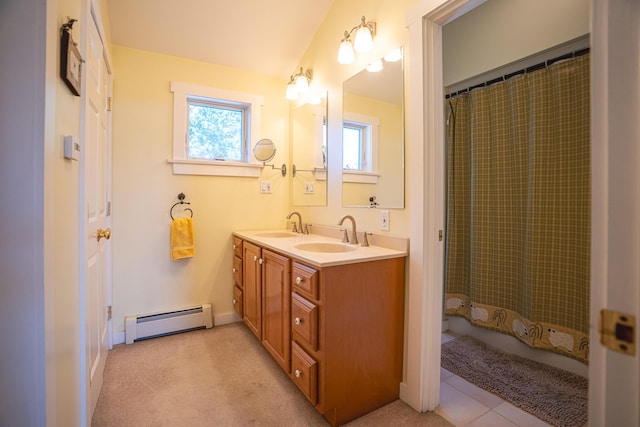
146, 326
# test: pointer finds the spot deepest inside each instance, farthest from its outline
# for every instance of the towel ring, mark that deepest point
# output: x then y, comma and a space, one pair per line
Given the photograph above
181, 197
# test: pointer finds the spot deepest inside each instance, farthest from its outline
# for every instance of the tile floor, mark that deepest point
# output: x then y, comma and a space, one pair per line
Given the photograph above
465, 405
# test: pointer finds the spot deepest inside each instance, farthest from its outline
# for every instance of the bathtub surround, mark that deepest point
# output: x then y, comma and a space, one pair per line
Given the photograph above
553, 395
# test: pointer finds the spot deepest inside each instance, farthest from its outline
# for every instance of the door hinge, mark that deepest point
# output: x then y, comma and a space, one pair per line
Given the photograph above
109, 312
618, 331
107, 208
110, 103
440, 235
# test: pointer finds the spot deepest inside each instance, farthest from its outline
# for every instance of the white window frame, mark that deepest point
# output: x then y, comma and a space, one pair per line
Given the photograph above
182, 165
370, 129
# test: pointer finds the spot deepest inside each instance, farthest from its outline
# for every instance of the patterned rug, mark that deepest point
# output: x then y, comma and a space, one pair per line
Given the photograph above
556, 396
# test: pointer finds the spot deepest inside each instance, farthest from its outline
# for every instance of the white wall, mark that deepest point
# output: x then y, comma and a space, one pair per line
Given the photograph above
503, 31
22, 293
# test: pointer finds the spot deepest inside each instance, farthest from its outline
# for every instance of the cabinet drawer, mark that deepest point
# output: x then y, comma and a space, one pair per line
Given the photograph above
237, 246
304, 372
237, 271
304, 320
305, 280
237, 301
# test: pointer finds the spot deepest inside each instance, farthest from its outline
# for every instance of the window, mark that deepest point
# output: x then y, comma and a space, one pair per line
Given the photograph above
359, 148
217, 130
213, 130
355, 137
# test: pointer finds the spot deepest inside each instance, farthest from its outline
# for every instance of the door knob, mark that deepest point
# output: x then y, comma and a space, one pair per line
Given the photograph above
106, 233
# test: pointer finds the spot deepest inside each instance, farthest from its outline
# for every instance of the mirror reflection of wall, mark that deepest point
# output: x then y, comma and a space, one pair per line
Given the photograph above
373, 136
309, 138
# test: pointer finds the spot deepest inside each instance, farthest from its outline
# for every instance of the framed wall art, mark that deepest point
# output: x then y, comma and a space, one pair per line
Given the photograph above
70, 59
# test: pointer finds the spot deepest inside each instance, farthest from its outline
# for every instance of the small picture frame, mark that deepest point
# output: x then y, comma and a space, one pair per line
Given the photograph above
70, 62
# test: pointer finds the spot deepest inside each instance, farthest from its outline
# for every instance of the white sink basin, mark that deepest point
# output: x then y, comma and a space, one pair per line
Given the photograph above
276, 234
325, 247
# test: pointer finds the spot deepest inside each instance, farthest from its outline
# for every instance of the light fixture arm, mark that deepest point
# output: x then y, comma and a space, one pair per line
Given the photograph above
371, 25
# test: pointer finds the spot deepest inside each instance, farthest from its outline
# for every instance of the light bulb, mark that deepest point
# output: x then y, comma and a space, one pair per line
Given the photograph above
302, 84
363, 41
292, 92
345, 53
375, 66
393, 56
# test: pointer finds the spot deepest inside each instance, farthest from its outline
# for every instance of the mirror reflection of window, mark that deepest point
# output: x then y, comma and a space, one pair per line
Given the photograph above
352, 148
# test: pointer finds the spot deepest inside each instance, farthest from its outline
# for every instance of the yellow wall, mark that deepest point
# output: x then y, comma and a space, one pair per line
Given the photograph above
328, 74
144, 187
390, 152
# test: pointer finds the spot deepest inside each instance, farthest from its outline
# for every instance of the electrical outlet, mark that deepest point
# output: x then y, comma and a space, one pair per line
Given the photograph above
308, 188
384, 220
265, 187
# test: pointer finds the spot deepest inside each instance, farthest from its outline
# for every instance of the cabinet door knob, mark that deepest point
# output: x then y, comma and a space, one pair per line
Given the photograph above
255, 258
298, 280
234, 246
233, 269
235, 301
298, 373
260, 261
298, 321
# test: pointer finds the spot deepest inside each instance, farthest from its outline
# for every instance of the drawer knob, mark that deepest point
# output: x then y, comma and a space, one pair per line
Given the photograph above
298, 321
298, 373
298, 280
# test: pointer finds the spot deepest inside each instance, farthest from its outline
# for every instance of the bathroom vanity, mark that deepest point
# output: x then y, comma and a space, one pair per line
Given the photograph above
331, 314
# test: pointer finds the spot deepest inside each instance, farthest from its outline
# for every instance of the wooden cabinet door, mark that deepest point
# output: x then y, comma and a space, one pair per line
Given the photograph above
276, 307
252, 292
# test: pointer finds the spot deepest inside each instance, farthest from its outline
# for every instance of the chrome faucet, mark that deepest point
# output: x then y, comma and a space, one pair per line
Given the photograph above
299, 228
354, 236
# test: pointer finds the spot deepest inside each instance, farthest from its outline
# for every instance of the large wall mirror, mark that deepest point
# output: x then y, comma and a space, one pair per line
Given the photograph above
373, 135
309, 168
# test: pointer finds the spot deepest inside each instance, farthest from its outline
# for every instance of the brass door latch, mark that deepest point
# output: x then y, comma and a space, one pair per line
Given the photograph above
618, 331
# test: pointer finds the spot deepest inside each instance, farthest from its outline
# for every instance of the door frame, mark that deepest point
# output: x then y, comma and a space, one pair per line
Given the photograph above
421, 387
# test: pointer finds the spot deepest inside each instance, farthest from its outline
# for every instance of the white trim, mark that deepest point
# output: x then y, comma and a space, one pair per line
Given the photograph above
226, 318
421, 388
360, 177
214, 168
183, 165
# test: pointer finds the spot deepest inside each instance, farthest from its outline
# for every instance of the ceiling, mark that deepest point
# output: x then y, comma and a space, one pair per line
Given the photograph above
262, 36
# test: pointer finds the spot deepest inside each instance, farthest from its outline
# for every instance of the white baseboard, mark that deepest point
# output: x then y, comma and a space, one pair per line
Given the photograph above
218, 320
224, 319
118, 338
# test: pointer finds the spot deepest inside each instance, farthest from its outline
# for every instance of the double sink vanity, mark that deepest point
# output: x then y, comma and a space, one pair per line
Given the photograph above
330, 312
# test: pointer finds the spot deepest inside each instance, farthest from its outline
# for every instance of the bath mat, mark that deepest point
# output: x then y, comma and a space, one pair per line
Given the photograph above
554, 395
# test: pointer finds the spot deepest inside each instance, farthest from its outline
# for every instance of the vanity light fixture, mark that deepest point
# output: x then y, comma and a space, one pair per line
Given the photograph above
299, 84
363, 41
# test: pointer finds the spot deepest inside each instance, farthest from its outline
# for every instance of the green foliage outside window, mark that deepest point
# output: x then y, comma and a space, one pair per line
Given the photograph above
215, 132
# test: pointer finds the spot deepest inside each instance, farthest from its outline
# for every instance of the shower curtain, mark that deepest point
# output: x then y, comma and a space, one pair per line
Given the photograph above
518, 211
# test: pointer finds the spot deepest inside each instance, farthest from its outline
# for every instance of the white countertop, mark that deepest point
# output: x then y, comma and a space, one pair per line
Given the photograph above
287, 246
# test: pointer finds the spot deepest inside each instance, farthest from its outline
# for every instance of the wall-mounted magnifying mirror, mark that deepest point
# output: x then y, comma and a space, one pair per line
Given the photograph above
373, 135
265, 150
309, 170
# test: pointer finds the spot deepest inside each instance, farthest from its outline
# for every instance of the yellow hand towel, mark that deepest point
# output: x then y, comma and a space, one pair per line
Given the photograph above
182, 238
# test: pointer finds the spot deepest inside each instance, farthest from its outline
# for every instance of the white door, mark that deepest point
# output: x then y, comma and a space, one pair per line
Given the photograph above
96, 217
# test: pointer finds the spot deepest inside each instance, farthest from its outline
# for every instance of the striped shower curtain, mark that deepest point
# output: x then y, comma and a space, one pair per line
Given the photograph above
518, 211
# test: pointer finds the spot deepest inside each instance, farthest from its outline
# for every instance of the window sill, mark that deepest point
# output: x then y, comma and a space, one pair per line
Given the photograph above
360, 177
215, 168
